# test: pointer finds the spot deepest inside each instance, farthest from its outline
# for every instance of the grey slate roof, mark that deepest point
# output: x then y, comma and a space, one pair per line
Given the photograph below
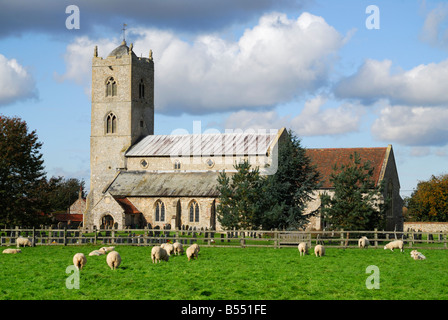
219, 144
164, 184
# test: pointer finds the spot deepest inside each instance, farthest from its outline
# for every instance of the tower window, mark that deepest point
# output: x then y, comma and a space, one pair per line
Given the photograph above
194, 211
111, 123
141, 89
111, 87
159, 211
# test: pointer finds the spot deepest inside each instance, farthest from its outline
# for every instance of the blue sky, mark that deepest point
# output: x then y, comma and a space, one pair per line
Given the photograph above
312, 66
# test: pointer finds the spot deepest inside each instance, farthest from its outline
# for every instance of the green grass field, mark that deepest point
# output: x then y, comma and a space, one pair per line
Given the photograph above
224, 274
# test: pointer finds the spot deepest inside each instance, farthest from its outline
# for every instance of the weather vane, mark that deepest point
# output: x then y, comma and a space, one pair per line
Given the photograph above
124, 31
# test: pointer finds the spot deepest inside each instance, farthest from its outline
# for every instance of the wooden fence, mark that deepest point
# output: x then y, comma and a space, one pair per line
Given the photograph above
233, 238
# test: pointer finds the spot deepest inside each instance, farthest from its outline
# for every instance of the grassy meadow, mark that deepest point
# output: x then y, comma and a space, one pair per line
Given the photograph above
224, 274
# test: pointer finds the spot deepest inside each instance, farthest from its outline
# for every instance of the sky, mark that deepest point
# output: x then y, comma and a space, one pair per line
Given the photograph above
340, 74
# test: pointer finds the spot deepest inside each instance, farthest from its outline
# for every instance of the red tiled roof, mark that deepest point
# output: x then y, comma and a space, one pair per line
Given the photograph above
325, 159
127, 206
62, 217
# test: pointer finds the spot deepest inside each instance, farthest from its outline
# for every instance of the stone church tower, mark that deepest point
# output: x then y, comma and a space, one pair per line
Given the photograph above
122, 113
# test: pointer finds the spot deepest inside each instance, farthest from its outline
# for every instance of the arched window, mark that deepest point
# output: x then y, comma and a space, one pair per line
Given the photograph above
159, 211
111, 123
141, 89
111, 87
194, 211
177, 165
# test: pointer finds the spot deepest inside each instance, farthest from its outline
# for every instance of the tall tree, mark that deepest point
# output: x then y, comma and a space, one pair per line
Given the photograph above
354, 205
429, 202
240, 200
21, 173
288, 191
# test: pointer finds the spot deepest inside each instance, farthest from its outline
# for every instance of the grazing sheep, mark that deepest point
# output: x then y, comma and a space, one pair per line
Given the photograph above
97, 253
113, 260
319, 250
107, 249
21, 241
168, 247
178, 248
12, 251
192, 252
79, 260
158, 254
196, 246
303, 248
397, 244
417, 255
363, 242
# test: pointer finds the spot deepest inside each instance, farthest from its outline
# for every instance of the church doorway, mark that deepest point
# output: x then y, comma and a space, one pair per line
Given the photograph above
107, 222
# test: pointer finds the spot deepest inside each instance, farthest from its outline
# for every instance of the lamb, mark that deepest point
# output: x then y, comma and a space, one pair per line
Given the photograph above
303, 248
21, 241
417, 255
192, 252
12, 251
178, 248
397, 244
319, 250
158, 254
107, 249
363, 242
168, 247
79, 260
113, 260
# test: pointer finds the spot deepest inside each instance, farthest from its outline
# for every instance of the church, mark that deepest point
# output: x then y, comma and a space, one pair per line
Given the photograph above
139, 179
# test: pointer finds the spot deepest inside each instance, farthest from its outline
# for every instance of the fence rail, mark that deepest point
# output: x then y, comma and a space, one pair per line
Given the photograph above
231, 238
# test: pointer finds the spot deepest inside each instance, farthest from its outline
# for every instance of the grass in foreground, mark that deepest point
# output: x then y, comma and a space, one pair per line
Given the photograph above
224, 274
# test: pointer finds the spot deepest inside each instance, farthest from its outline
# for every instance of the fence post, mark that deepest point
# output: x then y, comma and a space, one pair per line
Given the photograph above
342, 237
34, 237
65, 236
376, 237
444, 240
94, 241
276, 242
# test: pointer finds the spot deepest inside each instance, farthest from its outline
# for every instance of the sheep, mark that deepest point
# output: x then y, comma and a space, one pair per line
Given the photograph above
107, 249
12, 251
21, 241
363, 242
196, 246
113, 260
158, 254
192, 252
303, 248
319, 250
178, 248
417, 255
99, 252
79, 260
397, 244
168, 247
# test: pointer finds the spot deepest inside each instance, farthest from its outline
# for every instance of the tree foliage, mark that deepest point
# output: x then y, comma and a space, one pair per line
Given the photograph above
354, 204
21, 173
249, 200
429, 202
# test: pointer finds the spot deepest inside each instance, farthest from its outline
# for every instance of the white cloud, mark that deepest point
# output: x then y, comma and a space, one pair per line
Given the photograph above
15, 82
273, 62
434, 31
422, 85
412, 126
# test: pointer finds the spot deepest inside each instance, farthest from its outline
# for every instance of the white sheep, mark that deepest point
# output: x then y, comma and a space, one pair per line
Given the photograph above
107, 249
319, 250
12, 251
99, 252
113, 260
21, 241
303, 248
178, 248
158, 254
417, 255
196, 246
363, 242
397, 244
168, 247
192, 252
79, 260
